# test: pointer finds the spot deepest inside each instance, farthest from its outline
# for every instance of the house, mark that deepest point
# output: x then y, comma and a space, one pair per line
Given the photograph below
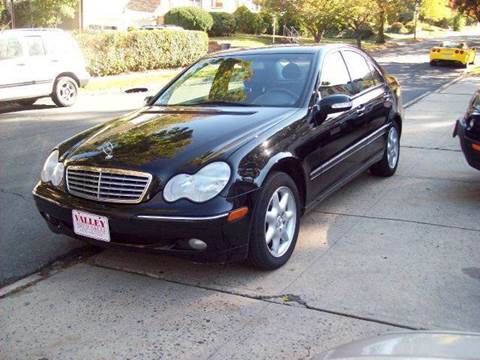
121, 14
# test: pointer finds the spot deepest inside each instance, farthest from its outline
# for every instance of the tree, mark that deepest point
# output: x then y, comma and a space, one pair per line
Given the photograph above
435, 9
4, 15
469, 7
388, 9
361, 17
319, 16
44, 13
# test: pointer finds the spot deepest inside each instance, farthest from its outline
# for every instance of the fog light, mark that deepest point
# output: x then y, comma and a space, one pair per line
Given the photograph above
197, 244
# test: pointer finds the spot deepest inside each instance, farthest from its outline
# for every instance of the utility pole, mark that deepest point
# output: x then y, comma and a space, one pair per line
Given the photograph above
415, 18
12, 14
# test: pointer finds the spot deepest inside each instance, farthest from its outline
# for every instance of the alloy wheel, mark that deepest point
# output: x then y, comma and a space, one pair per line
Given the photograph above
280, 221
66, 91
392, 147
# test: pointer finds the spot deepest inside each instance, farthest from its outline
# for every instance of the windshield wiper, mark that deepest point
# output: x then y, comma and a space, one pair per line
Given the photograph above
219, 103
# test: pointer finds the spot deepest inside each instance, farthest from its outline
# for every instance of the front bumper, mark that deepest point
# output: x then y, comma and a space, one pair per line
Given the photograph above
156, 231
467, 143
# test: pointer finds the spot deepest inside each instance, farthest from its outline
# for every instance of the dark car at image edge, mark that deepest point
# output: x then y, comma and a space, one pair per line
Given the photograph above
468, 130
220, 165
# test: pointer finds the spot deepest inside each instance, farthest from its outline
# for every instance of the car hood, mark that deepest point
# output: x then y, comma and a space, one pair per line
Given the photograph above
179, 140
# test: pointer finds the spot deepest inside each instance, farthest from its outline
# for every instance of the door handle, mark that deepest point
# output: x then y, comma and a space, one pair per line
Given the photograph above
20, 64
55, 61
360, 110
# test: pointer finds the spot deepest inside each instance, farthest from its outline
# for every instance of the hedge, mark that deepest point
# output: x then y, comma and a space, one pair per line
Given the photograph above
248, 22
223, 24
115, 52
190, 18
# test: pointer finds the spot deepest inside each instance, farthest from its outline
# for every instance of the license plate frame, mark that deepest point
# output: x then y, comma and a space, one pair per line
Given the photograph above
91, 226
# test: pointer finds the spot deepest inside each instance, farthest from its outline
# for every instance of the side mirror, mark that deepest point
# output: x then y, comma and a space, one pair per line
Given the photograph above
335, 104
147, 100
330, 105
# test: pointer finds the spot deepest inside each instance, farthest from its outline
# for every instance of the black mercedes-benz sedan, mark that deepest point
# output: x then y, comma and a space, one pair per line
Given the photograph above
221, 164
468, 130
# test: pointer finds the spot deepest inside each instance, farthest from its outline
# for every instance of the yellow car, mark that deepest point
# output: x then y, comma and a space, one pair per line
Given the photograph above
453, 52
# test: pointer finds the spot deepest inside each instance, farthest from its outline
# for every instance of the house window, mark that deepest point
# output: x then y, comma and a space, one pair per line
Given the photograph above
217, 4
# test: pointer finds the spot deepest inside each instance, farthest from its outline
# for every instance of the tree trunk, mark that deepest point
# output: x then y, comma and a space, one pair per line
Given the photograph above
358, 37
381, 28
319, 36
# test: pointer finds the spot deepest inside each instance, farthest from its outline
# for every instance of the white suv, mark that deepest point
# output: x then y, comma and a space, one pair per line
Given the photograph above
37, 63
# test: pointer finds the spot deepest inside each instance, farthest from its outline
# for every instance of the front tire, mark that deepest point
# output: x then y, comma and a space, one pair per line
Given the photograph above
276, 221
65, 92
389, 163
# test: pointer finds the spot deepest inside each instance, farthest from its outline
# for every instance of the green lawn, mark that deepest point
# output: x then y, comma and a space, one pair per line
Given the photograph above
130, 81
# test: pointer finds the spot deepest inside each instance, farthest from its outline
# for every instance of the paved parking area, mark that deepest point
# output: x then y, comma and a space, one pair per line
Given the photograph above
380, 255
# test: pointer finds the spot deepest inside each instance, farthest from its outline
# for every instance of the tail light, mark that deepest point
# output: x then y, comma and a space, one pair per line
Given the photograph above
461, 51
456, 51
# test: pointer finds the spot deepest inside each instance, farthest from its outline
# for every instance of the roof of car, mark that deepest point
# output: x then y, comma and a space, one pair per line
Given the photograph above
30, 30
282, 49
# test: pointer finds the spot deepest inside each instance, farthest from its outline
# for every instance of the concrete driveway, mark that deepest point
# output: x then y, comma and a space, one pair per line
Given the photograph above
380, 255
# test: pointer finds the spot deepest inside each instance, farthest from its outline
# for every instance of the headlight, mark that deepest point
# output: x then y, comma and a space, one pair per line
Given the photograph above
53, 170
207, 183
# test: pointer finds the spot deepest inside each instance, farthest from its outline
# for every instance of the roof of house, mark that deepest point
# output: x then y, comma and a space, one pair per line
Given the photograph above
143, 5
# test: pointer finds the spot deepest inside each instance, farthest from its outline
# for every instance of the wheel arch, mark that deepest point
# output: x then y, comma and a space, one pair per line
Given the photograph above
69, 74
398, 119
291, 166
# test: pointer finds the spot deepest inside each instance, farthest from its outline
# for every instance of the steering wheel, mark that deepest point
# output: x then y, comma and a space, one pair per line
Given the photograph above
293, 97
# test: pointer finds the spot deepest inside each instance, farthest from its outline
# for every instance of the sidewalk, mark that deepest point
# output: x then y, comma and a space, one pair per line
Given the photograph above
381, 255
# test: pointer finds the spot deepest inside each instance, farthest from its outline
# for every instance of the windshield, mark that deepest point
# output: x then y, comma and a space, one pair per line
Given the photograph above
453, 45
277, 80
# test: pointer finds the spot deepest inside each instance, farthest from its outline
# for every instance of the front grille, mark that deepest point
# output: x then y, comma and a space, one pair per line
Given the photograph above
107, 185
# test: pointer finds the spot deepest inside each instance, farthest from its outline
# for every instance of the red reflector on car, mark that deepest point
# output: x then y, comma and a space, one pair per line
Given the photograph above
476, 147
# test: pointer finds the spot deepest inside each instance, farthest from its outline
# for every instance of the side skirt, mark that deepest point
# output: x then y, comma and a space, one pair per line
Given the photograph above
341, 183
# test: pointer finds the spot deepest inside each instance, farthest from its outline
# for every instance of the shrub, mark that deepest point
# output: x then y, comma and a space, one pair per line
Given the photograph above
442, 23
223, 24
458, 22
410, 26
248, 22
115, 52
405, 17
398, 28
190, 18
267, 19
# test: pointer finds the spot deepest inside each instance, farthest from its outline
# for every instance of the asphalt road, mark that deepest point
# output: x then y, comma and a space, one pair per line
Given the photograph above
28, 134
410, 65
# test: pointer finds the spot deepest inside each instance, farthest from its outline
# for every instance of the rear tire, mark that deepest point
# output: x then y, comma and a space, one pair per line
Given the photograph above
65, 91
276, 222
389, 163
433, 63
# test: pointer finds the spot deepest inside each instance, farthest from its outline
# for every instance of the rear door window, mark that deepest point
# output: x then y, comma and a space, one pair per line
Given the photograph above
34, 46
360, 72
